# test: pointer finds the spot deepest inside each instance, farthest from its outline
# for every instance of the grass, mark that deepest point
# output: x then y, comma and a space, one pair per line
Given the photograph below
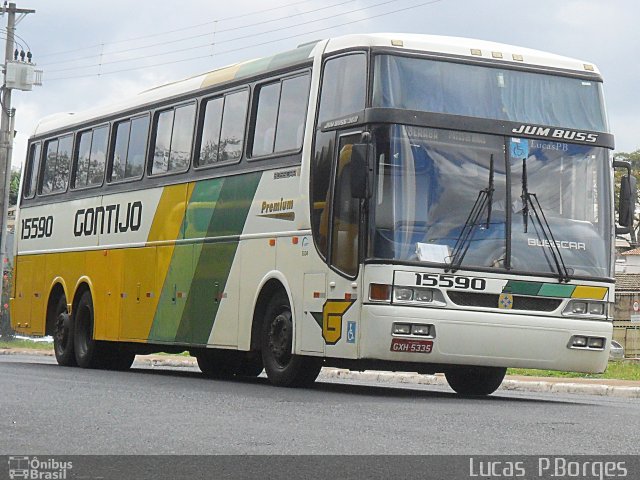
615, 370
26, 344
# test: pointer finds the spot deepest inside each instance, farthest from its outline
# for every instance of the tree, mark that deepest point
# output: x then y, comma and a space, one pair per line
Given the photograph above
14, 185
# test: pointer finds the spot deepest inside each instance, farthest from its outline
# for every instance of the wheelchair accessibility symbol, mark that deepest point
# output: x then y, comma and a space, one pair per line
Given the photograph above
351, 332
519, 148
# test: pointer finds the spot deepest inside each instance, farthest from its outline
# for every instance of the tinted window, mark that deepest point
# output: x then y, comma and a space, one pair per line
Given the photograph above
266, 117
292, 113
84, 157
137, 146
56, 166
98, 157
320, 192
174, 133
32, 172
120, 150
223, 128
344, 86
211, 132
129, 148
49, 169
92, 152
63, 164
163, 142
233, 122
280, 116
182, 137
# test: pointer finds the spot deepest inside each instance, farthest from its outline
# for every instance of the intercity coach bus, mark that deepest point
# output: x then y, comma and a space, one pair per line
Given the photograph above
392, 202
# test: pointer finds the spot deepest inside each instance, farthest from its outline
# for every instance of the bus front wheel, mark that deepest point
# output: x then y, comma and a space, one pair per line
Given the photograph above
475, 381
283, 367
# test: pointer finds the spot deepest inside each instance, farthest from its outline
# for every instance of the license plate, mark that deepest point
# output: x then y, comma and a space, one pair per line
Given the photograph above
409, 345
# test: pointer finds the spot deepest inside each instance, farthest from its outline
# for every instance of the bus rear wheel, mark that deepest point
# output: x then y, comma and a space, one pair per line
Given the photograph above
91, 353
283, 367
87, 350
63, 335
475, 381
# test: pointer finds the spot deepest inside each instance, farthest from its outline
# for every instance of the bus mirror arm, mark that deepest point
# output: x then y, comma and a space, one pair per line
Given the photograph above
360, 153
627, 200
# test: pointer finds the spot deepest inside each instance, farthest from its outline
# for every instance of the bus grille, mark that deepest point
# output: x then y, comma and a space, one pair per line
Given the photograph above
488, 300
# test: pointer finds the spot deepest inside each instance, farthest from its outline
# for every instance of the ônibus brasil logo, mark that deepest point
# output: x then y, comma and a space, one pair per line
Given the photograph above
33, 468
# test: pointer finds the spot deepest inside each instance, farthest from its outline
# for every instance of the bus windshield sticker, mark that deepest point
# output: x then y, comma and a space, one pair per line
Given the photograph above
431, 252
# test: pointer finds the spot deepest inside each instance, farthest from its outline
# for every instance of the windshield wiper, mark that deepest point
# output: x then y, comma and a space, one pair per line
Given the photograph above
530, 200
483, 202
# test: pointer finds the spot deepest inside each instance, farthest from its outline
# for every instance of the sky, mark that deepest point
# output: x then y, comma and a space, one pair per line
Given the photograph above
96, 52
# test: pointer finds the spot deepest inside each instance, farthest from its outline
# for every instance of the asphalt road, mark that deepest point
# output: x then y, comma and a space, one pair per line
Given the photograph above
49, 409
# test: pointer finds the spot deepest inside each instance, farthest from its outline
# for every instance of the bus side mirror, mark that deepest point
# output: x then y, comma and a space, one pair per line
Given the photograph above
359, 170
627, 200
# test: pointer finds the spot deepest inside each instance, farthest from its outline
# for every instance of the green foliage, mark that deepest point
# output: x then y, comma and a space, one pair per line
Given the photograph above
620, 370
14, 185
5, 321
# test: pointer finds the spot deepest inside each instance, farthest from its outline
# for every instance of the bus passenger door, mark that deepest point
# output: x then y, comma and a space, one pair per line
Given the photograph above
341, 310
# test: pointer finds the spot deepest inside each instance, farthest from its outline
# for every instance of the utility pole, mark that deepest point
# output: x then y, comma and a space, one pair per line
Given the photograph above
18, 80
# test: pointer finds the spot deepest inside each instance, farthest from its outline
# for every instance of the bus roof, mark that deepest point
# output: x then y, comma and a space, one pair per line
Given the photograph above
463, 47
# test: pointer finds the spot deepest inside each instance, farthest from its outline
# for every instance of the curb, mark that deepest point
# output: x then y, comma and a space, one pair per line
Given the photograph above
535, 384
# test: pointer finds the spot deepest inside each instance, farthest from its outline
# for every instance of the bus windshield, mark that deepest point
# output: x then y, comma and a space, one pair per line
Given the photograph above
442, 192
488, 92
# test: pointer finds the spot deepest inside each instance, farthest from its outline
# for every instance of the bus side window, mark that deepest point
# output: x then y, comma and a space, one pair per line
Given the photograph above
173, 139
280, 116
292, 113
129, 148
33, 166
344, 86
57, 163
223, 129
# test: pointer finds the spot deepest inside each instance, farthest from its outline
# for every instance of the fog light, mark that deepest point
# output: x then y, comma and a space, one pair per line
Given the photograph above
420, 329
579, 307
423, 295
401, 329
596, 342
403, 294
596, 308
579, 341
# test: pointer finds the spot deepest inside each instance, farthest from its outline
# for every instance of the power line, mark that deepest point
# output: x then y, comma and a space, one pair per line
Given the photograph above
209, 44
189, 27
200, 57
207, 34
19, 38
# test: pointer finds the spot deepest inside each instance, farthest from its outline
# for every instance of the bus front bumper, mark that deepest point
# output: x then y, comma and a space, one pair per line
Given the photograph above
483, 338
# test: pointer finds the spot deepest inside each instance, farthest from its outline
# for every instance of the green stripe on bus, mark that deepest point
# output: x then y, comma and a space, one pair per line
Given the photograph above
213, 261
170, 309
556, 290
516, 287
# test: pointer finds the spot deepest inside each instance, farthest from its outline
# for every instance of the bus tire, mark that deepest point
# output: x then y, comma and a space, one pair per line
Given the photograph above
283, 367
63, 335
117, 357
89, 352
250, 365
216, 364
475, 381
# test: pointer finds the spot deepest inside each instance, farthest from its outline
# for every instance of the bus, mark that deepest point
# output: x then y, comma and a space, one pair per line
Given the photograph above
395, 202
